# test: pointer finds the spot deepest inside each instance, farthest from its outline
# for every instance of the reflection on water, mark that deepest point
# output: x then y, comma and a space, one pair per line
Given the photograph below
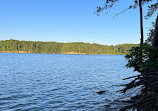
47, 82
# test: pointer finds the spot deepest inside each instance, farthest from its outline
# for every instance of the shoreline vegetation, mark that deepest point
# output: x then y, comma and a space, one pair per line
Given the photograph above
39, 53
70, 53
16, 46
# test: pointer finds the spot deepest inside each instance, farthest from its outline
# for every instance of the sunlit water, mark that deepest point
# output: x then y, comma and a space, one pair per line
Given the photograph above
56, 82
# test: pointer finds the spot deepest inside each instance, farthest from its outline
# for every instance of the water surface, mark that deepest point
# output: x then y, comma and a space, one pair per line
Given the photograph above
58, 82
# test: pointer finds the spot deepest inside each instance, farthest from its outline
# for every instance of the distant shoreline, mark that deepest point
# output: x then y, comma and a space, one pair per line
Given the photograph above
71, 53
15, 46
14, 52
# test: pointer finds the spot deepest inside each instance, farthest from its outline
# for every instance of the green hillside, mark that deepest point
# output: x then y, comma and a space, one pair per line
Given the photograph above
62, 48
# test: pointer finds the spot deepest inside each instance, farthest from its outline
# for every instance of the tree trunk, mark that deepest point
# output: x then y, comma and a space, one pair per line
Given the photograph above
155, 39
141, 23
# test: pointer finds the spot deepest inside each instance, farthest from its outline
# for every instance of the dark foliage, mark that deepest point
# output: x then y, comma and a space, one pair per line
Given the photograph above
147, 99
151, 34
109, 3
148, 60
152, 8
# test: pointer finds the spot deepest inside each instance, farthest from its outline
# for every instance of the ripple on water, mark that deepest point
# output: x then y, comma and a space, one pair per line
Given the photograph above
16, 97
56, 82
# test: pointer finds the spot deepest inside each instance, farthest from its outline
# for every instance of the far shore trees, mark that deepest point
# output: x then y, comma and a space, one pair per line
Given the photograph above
16, 46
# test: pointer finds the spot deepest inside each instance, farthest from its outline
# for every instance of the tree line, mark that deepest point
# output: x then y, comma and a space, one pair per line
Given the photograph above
62, 48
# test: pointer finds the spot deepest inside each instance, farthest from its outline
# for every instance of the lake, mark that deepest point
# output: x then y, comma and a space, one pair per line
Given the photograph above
60, 82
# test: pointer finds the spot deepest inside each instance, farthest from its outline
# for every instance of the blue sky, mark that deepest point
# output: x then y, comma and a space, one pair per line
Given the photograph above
69, 21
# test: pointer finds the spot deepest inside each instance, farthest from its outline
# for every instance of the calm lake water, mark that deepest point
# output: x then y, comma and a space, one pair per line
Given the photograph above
58, 82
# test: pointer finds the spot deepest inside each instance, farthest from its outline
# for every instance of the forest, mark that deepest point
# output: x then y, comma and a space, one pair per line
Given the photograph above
62, 48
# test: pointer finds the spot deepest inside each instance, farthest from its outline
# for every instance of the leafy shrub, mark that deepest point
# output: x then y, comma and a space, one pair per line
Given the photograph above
142, 58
